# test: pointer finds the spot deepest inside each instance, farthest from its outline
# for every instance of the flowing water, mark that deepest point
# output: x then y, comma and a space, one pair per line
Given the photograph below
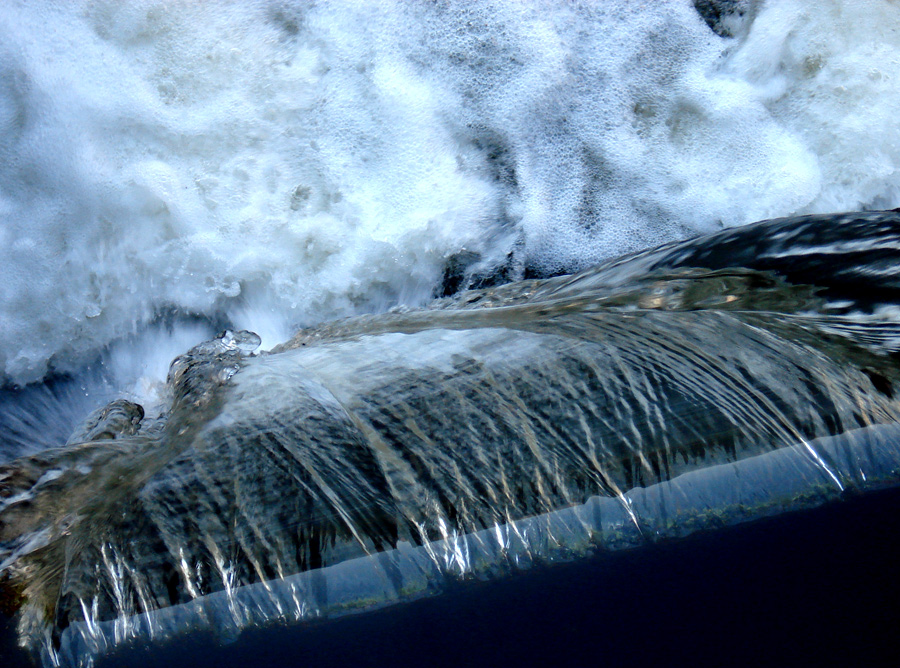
367, 461
319, 174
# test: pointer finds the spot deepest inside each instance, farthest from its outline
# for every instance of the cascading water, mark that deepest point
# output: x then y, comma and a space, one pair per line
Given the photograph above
539, 420
174, 170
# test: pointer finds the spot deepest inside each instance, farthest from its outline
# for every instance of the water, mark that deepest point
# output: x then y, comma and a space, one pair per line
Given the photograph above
379, 459
274, 164
170, 171
815, 587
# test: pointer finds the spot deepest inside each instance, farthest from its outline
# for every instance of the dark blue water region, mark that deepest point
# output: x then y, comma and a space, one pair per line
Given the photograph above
818, 587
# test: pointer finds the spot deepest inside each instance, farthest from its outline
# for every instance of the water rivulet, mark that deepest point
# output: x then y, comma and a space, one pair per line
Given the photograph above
368, 460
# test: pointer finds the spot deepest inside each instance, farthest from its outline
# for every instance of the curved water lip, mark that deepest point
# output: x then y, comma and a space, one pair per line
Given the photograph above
373, 460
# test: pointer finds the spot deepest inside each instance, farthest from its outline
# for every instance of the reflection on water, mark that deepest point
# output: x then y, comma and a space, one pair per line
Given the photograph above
368, 460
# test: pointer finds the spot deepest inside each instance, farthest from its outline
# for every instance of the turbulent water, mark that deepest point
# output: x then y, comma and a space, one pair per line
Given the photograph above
271, 164
319, 173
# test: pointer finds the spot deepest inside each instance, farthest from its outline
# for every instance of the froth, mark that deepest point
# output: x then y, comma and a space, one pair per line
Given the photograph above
270, 164
827, 73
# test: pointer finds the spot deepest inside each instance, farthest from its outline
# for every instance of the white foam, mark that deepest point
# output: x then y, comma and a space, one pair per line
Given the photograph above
274, 163
828, 74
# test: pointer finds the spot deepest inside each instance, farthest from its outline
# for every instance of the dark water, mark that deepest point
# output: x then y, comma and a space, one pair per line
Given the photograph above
816, 587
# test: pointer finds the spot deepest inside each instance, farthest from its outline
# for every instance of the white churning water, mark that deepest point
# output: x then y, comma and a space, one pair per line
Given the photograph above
271, 164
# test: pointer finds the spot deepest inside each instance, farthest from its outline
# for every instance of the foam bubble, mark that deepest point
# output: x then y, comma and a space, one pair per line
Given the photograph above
273, 163
827, 73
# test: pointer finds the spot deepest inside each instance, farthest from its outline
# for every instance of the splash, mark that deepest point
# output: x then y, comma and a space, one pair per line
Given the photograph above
269, 164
